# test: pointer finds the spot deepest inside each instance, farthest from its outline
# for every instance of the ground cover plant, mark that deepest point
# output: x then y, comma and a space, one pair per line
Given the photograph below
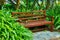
12, 30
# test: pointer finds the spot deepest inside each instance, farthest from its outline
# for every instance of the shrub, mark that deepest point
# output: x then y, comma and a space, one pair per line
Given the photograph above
12, 30
55, 12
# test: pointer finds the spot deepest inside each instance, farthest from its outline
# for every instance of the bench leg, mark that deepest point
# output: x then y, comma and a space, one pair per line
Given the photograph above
52, 28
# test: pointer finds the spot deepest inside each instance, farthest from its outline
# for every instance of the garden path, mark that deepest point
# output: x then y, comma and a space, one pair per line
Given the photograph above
46, 35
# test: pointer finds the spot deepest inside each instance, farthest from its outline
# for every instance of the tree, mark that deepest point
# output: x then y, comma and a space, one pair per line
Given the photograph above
47, 4
15, 3
1, 3
34, 2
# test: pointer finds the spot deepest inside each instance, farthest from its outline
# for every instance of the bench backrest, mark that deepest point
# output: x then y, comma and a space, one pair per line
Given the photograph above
30, 16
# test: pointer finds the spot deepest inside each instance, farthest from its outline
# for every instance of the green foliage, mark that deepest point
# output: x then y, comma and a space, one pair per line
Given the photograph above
50, 12
8, 6
12, 30
24, 7
56, 13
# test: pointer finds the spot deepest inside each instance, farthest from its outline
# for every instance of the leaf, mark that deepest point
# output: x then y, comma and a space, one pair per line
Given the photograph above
57, 27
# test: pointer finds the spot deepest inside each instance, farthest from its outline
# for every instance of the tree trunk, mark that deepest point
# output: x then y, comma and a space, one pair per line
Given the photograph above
1, 3
33, 4
48, 4
18, 4
52, 3
15, 3
27, 6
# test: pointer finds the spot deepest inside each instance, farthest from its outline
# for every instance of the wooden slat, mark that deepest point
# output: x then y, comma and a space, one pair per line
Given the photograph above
29, 13
34, 20
23, 18
31, 17
13, 13
38, 17
39, 29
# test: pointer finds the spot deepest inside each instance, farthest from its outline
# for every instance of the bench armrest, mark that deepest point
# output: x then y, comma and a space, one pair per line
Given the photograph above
52, 18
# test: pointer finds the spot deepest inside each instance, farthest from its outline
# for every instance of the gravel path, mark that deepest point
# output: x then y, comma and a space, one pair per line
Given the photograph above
47, 35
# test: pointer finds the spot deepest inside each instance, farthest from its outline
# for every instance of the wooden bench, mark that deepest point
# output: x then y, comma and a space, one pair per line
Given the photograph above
33, 19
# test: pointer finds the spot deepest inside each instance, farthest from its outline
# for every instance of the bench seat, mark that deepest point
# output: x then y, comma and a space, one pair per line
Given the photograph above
36, 23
